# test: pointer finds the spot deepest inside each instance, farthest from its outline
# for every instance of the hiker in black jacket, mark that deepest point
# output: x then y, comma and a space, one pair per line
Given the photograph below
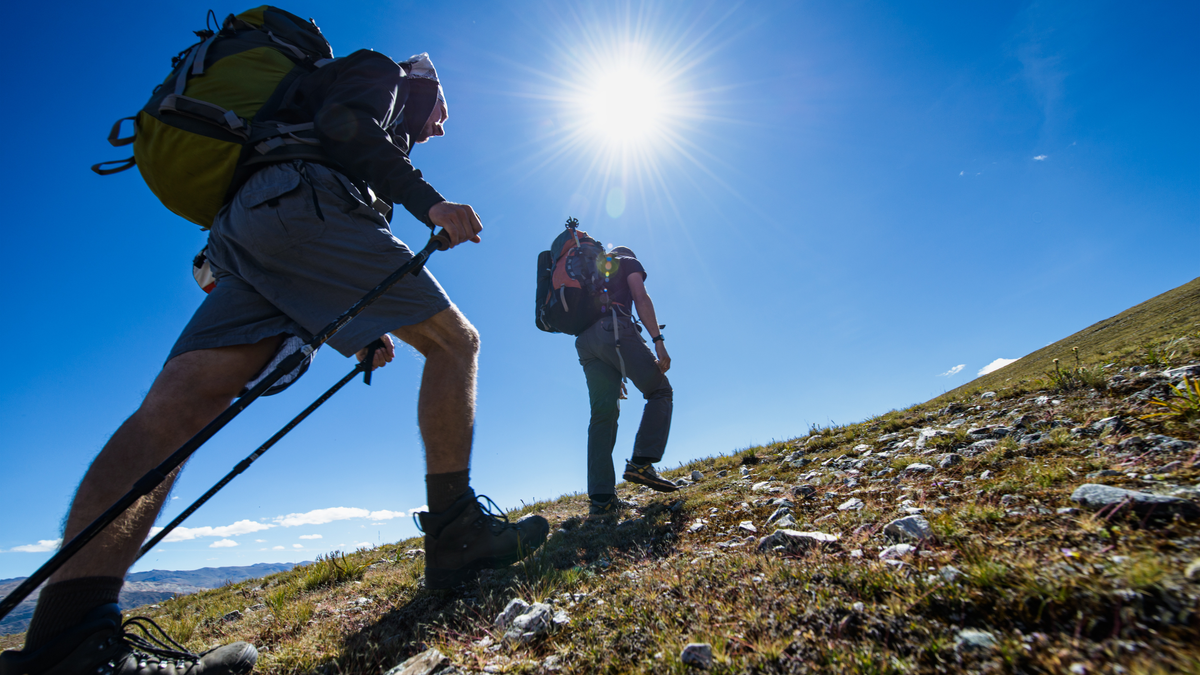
605, 365
299, 243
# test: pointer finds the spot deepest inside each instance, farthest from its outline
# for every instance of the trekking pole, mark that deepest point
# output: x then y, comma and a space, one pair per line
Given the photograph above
147, 483
365, 367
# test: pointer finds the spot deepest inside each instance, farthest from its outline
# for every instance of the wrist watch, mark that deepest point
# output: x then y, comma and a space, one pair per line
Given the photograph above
658, 338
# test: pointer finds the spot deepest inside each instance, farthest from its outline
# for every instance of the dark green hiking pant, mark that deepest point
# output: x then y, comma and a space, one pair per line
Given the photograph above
598, 356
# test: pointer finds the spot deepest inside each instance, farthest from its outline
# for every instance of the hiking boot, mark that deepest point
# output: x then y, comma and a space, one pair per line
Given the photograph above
607, 507
102, 645
466, 538
646, 475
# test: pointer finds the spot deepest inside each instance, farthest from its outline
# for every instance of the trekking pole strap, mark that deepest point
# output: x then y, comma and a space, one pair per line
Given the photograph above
155, 477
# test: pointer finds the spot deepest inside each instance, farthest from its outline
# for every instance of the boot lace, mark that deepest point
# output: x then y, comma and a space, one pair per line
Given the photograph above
489, 510
162, 646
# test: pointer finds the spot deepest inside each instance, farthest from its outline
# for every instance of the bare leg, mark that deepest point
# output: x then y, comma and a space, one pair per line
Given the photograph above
192, 389
446, 408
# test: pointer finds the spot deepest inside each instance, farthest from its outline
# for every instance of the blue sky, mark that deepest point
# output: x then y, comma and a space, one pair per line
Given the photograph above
844, 208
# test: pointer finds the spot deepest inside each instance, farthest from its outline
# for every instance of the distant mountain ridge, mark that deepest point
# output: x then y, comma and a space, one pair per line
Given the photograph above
143, 588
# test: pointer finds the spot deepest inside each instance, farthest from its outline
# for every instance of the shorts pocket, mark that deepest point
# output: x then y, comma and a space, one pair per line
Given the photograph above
277, 210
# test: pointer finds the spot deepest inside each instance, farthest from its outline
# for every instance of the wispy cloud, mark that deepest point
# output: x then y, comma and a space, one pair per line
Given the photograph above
310, 536
224, 543
994, 366
297, 545
1040, 158
953, 371
364, 544
278, 548
43, 546
322, 516
188, 533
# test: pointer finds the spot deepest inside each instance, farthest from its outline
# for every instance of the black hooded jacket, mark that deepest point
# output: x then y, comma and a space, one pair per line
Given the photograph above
358, 105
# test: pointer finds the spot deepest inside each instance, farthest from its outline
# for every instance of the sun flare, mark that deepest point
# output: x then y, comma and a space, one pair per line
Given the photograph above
625, 104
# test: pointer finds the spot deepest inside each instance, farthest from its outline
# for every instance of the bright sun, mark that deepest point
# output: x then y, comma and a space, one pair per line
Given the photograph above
626, 105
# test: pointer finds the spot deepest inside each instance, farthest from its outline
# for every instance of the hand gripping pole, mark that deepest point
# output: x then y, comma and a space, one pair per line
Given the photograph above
147, 483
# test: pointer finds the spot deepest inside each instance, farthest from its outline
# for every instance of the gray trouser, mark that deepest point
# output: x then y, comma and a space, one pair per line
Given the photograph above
598, 356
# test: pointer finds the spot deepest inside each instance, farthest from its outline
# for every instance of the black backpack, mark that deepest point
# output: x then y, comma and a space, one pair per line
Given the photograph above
572, 284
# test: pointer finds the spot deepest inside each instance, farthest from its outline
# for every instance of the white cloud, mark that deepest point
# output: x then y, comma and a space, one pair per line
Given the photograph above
260, 541
953, 371
994, 366
387, 515
224, 543
1040, 158
297, 545
322, 516
364, 544
278, 548
423, 507
43, 546
310, 536
189, 533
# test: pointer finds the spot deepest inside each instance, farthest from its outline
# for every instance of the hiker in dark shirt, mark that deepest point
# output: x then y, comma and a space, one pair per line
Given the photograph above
605, 366
298, 244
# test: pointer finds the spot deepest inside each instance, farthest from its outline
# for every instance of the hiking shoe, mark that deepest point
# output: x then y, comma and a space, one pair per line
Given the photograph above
467, 537
102, 645
607, 507
646, 475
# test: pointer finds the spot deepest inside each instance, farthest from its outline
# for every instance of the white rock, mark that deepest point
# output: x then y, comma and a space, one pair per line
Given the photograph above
422, 664
970, 640
697, 655
911, 528
748, 526
852, 504
696, 475
896, 552
515, 607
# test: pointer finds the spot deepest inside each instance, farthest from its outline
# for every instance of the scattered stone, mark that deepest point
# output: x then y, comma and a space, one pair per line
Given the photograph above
747, 526
697, 655
761, 486
927, 435
918, 468
1193, 570
696, 476
424, 663
515, 607
852, 504
786, 523
1068, 511
950, 573
779, 513
985, 475
970, 640
861, 448
1009, 500
745, 471
949, 460
697, 525
1177, 374
979, 447
896, 552
790, 541
256, 607
1104, 473
911, 528
235, 615
1112, 425
988, 394
722, 473
535, 620
1109, 499
803, 491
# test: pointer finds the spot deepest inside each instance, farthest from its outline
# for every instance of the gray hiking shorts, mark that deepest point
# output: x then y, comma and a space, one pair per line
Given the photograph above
293, 250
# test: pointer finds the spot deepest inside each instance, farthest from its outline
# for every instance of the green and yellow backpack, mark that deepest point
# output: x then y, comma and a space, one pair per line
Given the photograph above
210, 120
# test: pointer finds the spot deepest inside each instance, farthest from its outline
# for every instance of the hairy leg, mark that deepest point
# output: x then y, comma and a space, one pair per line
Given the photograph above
446, 409
192, 389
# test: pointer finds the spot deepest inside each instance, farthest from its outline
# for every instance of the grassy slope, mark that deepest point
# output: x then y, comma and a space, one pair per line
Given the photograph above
1172, 314
1056, 590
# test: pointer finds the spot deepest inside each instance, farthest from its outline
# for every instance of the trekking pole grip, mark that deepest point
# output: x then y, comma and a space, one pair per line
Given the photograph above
442, 239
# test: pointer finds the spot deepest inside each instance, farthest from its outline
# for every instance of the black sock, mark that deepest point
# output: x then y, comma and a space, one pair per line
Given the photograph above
443, 489
641, 461
63, 605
